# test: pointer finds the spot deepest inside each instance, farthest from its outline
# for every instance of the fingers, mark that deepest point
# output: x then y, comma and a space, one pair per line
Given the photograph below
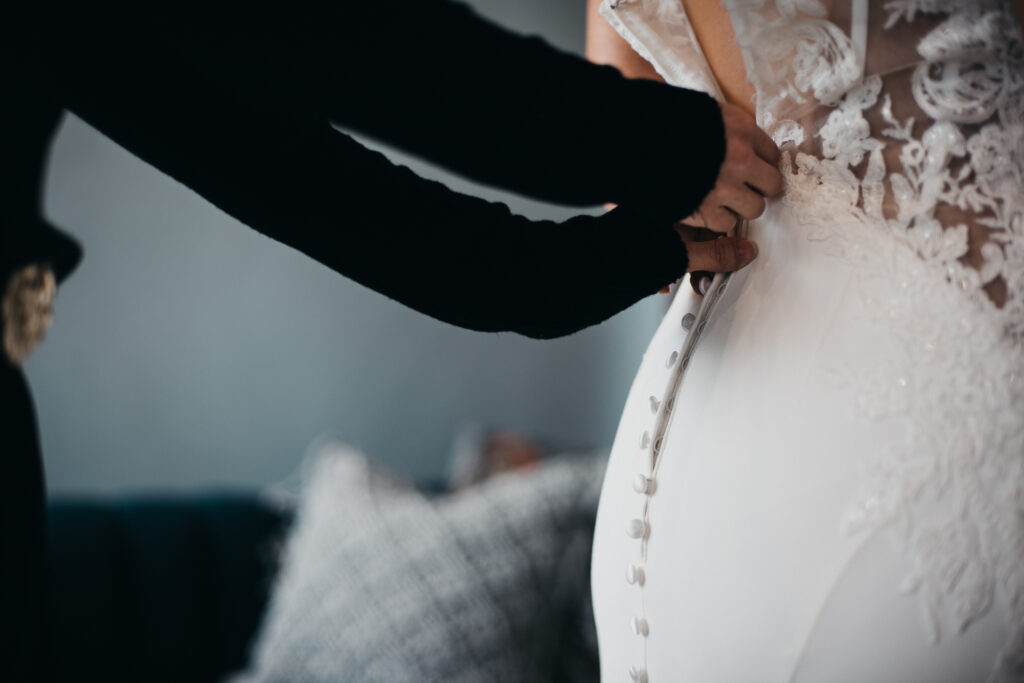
719, 218
689, 233
694, 220
748, 174
744, 202
730, 201
764, 179
740, 127
711, 253
722, 255
765, 147
709, 217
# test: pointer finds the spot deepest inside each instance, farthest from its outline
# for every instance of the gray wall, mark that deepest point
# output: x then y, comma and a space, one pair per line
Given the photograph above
189, 351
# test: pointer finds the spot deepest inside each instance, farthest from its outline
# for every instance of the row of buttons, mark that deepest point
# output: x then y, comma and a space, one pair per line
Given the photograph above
639, 528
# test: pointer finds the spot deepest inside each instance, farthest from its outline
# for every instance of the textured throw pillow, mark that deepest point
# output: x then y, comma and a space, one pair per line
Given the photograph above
380, 583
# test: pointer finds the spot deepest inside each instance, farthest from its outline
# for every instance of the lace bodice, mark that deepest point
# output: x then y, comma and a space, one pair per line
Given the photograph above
902, 123
912, 108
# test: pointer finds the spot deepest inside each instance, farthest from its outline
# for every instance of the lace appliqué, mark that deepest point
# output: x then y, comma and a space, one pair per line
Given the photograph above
965, 74
795, 58
972, 72
951, 491
950, 497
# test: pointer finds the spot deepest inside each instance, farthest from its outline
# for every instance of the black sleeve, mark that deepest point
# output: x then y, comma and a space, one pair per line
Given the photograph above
474, 263
432, 77
437, 80
285, 172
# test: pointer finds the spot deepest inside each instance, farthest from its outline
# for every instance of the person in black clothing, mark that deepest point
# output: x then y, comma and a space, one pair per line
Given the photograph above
237, 102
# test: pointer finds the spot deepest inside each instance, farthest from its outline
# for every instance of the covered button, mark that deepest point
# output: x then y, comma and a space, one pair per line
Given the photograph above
635, 575
637, 528
643, 484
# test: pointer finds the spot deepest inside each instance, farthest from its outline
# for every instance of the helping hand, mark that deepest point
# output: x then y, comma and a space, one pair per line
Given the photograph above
748, 174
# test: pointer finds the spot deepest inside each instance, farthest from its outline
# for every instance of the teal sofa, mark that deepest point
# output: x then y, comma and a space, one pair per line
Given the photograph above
157, 589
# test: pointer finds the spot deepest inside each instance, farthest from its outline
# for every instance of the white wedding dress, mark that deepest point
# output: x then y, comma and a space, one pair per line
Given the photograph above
819, 471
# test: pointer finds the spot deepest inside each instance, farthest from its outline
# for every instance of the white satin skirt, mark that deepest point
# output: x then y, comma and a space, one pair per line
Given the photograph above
791, 511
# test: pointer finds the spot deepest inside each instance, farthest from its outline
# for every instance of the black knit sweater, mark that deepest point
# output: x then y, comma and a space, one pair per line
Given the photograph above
236, 103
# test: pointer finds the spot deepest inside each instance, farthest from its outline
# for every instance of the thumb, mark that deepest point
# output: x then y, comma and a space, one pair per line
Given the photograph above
721, 255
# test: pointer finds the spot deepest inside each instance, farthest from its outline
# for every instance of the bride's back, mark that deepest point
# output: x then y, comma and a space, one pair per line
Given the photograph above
713, 30
906, 102
866, 369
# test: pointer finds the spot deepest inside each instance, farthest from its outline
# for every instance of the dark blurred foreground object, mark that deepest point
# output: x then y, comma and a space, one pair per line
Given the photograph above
158, 588
34, 257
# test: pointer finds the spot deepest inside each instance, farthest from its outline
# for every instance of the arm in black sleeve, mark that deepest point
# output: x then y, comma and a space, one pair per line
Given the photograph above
471, 262
294, 178
433, 78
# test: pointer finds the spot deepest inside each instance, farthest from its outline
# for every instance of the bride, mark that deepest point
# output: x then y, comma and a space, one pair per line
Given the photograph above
819, 471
